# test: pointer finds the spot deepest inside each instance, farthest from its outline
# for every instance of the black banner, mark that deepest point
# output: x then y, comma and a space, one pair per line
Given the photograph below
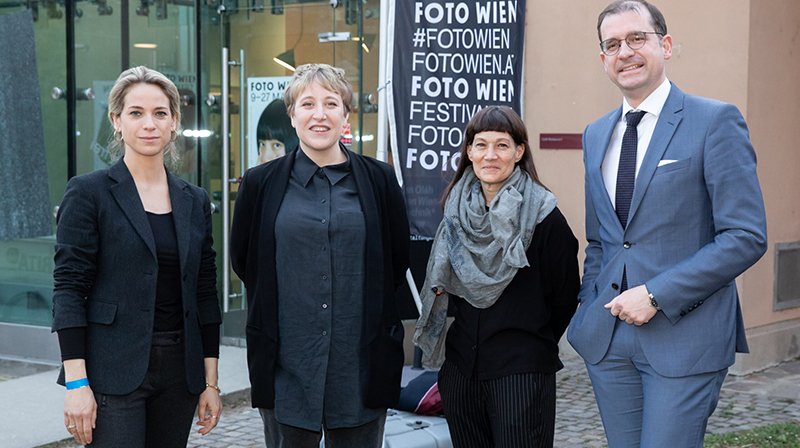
450, 59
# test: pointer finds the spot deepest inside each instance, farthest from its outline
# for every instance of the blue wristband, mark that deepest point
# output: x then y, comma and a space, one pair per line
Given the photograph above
77, 384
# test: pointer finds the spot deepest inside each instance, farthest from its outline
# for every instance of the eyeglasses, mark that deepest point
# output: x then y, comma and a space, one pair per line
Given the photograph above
635, 41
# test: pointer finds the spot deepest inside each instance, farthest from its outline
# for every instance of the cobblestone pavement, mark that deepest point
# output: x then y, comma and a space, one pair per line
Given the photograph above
745, 402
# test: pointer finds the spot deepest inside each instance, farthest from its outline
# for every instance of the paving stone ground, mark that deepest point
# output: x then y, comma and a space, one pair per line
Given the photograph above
745, 402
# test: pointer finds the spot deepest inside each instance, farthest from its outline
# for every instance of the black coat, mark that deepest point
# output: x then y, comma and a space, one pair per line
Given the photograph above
387, 259
106, 271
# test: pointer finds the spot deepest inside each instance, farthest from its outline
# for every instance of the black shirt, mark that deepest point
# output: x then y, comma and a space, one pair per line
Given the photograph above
320, 241
169, 308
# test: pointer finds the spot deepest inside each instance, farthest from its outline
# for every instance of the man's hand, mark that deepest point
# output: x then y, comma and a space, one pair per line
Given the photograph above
632, 306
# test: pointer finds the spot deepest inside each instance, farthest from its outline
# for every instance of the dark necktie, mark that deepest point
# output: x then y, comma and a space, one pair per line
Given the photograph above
626, 174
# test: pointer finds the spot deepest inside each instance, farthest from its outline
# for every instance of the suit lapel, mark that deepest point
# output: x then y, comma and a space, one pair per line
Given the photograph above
127, 197
671, 116
181, 202
595, 165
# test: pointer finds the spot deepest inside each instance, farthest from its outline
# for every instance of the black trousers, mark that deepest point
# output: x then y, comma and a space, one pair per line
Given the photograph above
277, 435
159, 413
516, 410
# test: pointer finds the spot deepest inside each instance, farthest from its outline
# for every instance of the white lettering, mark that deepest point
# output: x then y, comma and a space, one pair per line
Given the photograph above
496, 12
431, 160
495, 89
435, 12
458, 38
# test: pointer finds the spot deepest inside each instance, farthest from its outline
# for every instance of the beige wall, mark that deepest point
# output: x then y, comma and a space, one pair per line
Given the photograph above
565, 89
724, 49
774, 118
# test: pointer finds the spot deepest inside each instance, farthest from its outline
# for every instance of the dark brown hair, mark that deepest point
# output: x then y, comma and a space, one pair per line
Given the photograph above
500, 119
620, 6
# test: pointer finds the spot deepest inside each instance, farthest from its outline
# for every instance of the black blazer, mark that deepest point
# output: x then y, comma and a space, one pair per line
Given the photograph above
387, 259
105, 275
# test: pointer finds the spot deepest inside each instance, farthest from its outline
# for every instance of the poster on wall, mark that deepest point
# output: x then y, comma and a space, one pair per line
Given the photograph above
269, 130
450, 59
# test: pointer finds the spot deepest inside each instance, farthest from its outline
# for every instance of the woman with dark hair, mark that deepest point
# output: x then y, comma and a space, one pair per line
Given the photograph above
506, 257
274, 132
135, 299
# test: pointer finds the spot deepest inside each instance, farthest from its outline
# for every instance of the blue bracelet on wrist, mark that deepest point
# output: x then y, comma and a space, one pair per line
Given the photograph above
77, 384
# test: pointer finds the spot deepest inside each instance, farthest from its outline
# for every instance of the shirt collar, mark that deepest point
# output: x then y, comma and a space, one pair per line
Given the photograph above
653, 103
338, 172
304, 168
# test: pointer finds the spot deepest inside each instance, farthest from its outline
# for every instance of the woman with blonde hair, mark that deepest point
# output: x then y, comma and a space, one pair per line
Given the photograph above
135, 301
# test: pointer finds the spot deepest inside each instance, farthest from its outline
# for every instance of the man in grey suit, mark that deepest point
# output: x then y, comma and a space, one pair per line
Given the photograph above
674, 213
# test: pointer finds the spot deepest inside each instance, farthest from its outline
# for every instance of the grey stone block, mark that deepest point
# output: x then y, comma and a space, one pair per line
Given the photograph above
25, 204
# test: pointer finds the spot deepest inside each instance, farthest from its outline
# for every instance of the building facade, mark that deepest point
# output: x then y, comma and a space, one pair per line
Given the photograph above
741, 51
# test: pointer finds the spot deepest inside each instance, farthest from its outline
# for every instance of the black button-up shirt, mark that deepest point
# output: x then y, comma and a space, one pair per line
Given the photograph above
319, 236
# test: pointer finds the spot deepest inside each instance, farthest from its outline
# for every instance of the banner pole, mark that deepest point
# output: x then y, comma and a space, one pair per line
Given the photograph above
383, 60
387, 8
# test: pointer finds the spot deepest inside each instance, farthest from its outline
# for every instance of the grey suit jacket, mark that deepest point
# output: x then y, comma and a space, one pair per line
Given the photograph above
694, 225
105, 275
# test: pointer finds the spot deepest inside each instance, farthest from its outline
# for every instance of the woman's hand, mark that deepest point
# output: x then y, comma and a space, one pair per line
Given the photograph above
209, 407
208, 410
80, 414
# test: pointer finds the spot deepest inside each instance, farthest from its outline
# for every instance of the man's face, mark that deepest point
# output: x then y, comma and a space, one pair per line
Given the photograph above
637, 73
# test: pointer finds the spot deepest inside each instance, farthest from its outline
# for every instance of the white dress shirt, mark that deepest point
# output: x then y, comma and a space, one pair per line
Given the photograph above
652, 105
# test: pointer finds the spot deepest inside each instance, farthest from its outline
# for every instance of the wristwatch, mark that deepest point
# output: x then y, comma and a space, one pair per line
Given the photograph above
653, 302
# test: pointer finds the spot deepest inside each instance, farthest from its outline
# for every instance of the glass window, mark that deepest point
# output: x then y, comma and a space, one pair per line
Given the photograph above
26, 264
266, 40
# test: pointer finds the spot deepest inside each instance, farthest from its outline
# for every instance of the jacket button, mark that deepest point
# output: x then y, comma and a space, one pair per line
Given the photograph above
683, 313
614, 286
187, 314
626, 245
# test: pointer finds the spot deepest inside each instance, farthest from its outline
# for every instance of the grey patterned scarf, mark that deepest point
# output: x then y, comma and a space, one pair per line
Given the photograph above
477, 252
